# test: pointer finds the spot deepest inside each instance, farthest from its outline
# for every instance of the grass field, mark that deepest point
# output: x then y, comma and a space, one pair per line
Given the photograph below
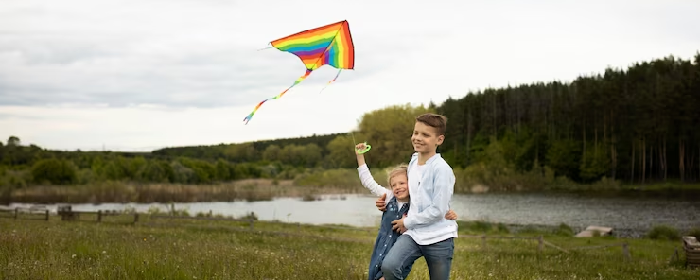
194, 249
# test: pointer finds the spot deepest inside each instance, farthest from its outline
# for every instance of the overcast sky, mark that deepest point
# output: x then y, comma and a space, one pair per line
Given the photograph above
147, 74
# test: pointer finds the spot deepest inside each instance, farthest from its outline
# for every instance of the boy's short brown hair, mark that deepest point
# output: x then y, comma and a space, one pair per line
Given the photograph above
439, 122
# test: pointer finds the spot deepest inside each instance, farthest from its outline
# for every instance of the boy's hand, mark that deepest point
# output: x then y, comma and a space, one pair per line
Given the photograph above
381, 204
451, 215
398, 225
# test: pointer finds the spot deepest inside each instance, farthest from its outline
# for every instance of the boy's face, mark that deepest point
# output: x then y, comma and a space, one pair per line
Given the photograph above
399, 185
425, 138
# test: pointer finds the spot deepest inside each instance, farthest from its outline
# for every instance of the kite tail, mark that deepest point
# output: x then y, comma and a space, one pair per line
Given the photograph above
247, 118
329, 82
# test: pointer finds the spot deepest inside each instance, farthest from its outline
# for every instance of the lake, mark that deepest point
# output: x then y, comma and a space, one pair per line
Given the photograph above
628, 216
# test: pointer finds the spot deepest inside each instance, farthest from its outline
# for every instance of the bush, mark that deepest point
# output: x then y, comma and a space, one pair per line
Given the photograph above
663, 232
607, 184
347, 177
564, 230
482, 227
503, 228
529, 230
694, 232
15, 179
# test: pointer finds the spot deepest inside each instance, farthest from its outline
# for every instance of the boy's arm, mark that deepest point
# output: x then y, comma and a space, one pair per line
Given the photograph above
444, 186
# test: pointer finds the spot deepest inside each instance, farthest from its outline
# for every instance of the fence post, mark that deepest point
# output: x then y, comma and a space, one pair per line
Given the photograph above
46, 215
251, 223
483, 242
16, 211
626, 251
136, 217
674, 256
99, 216
540, 240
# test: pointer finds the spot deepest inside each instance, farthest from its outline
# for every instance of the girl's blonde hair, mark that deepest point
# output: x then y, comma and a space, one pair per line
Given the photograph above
401, 168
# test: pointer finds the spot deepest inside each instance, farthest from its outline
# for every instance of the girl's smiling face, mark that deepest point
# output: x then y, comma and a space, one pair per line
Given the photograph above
399, 186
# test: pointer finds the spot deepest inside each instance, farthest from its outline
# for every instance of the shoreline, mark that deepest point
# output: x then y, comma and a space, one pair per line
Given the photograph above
479, 226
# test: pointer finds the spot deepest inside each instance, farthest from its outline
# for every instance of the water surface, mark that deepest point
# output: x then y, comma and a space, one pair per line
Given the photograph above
632, 215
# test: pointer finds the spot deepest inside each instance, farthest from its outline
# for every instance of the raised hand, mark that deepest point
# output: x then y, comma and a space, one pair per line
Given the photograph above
360, 147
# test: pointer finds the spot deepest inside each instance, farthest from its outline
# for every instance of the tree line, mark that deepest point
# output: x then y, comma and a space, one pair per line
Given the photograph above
634, 125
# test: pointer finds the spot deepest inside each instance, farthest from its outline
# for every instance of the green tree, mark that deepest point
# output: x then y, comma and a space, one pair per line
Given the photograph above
312, 155
55, 171
272, 153
564, 158
340, 152
389, 130
223, 170
13, 141
596, 164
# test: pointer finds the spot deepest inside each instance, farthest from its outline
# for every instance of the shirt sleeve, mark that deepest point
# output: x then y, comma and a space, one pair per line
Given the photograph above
444, 182
369, 182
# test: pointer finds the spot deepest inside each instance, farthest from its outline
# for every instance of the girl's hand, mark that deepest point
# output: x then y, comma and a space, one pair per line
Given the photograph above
359, 147
451, 215
360, 157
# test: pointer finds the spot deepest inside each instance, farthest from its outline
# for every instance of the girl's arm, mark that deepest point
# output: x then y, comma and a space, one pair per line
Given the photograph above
366, 177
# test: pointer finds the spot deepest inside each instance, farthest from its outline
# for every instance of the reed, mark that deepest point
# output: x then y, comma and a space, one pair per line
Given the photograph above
121, 192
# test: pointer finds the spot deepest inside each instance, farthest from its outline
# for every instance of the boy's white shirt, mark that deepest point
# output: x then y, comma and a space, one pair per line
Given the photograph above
431, 187
368, 182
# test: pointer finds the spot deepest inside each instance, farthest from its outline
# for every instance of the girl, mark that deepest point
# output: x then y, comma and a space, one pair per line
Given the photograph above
397, 204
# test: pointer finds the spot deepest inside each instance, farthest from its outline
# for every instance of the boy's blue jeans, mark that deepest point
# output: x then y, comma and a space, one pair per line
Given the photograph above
406, 251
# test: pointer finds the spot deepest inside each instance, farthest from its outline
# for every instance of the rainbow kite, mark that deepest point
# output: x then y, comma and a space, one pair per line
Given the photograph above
330, 44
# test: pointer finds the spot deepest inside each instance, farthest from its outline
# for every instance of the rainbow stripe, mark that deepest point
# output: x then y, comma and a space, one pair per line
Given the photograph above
331, 44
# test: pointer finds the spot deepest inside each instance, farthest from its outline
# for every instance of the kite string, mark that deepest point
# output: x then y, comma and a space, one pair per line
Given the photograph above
367, 146
268, 47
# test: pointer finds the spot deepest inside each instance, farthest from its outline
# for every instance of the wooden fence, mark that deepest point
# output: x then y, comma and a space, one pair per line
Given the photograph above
25, 213
247, 220
65, 214
68, 214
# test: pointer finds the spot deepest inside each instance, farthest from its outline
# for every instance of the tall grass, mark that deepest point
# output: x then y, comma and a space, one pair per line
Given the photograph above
347, 178
307, 183
248, 190
157, 249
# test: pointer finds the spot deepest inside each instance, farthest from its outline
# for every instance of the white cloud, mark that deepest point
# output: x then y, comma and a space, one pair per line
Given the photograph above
147, 74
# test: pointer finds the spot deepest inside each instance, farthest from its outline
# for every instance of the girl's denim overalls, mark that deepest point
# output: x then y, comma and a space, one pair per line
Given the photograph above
386, 238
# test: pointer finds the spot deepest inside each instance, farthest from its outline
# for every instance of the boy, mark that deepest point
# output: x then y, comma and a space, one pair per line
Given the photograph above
397, 200
425, 230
